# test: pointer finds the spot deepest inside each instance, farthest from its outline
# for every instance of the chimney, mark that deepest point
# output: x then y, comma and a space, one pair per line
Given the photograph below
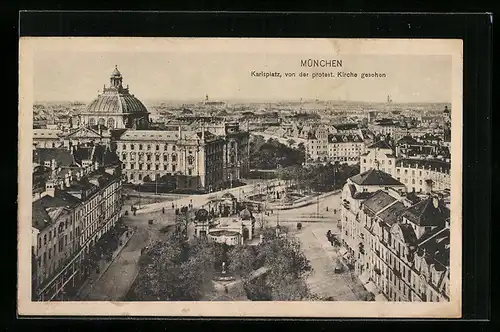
67, 181
50, 187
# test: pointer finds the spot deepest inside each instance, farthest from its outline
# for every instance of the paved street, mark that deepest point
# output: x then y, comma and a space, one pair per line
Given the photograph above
118, 278
323, 280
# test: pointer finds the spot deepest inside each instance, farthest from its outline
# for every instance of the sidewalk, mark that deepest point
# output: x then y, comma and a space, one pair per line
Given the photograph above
103, 267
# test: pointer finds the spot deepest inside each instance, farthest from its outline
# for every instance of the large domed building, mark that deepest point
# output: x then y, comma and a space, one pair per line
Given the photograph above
116, 108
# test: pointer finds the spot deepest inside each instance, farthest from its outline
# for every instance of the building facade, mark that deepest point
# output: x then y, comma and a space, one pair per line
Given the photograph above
323, 146
401, 245
81, 202
421, 174
194, 160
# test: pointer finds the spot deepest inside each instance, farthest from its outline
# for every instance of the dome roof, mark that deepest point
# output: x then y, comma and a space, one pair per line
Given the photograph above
116, 73
115, 102
116, 99
201, 215
245, 214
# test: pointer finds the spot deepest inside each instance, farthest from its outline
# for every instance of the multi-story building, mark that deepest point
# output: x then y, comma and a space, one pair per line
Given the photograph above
81, 202
401, 246
325, 147
419, 173
47, 138
193, 159
356, 190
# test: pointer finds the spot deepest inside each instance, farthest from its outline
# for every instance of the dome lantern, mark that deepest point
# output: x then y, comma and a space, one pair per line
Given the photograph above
116, 78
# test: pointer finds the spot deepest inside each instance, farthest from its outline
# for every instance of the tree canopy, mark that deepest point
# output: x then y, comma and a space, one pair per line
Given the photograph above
270, 154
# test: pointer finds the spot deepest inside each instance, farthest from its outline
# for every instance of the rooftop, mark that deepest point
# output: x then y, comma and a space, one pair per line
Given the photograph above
380, 145
375, 177
429, 212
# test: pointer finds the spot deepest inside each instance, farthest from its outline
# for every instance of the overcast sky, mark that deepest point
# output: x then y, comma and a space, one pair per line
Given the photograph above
69, 75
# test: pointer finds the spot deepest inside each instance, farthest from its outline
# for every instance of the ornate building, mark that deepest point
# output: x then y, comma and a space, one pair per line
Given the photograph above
116, 108
193, 159
203, 158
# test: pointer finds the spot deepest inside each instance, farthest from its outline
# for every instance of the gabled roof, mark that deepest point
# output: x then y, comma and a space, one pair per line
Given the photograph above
380, 145
425, 213
47, 208
375, 177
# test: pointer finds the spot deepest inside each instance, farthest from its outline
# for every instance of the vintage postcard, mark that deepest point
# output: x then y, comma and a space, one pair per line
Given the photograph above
192, 176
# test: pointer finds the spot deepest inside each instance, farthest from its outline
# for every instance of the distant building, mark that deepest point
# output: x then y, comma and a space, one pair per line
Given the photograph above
421, 174
324, 147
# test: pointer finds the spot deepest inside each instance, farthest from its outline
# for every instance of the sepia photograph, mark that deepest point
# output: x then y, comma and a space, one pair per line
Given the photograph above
191, 176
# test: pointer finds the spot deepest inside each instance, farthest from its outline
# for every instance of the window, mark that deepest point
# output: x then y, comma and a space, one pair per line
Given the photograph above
140, 146
132, 166
165, 157
50, 235
157, 148
39, 242
173, 147
190, 160
50, 252
389, 162
165, 167
148, 167
132, 146
174, 157
173, 168
148, 157
157, 167
190, 172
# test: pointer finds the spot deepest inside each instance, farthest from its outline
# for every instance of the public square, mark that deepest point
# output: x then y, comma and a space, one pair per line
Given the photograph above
317, 217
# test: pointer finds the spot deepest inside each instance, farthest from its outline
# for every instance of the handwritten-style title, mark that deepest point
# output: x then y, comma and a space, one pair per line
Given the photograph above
320, 63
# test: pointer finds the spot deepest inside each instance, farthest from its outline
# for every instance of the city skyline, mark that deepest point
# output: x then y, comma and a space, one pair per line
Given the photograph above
190, 77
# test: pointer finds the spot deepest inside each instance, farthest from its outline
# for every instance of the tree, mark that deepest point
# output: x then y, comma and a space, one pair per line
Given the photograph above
286, 263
